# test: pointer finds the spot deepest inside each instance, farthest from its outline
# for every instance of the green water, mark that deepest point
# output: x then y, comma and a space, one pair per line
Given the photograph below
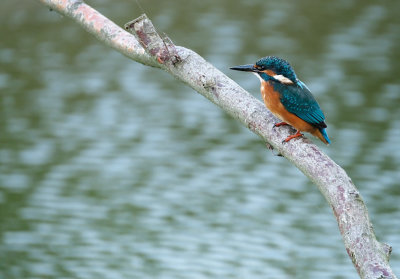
110, 169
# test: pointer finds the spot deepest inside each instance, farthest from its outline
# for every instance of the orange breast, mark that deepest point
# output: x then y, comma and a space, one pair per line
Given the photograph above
273, 103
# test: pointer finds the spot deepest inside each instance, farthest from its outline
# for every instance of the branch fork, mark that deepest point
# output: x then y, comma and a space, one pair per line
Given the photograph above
160, 47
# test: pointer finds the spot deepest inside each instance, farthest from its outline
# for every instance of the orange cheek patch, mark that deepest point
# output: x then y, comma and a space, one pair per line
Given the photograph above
270, 72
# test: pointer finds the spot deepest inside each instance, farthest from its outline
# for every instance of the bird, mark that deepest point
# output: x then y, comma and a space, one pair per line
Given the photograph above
288, 98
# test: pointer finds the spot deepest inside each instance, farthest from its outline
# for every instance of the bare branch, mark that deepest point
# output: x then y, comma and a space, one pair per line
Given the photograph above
370, 257
102, 28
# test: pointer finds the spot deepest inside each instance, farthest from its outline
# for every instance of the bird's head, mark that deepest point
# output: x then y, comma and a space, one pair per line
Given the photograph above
271, 68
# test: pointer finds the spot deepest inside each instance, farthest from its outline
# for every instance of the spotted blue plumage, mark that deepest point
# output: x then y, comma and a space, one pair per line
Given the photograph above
299, 101
278, 65
295, 97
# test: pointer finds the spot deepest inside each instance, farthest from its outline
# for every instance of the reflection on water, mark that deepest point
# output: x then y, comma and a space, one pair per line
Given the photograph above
111, 169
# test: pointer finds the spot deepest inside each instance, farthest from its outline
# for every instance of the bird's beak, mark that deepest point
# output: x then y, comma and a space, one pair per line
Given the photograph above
245, 68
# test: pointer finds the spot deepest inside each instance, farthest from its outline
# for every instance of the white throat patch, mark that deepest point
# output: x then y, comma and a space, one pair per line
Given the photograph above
257, 75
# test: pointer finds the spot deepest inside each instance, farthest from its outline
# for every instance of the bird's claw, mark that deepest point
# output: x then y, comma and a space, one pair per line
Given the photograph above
280, 124
289, 138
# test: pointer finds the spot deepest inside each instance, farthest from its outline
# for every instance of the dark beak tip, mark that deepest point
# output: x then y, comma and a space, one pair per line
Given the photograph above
244, 68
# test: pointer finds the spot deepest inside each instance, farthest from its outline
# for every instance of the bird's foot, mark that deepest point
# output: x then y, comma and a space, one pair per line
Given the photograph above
280, 124
298, 134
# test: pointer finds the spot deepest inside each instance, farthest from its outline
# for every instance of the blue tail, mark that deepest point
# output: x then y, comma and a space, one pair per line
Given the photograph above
325, 135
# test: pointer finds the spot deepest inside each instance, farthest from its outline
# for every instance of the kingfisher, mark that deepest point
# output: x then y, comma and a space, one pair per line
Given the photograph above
287, 97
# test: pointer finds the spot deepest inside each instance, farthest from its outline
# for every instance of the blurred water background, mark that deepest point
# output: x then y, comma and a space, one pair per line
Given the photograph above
110, 169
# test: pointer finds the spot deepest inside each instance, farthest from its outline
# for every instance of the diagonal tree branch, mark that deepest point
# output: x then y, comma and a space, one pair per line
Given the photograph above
370, 257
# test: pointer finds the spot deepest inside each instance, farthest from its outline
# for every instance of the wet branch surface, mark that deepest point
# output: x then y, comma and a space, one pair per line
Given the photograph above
146, 46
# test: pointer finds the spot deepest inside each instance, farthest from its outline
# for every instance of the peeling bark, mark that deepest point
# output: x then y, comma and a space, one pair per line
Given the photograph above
370, 257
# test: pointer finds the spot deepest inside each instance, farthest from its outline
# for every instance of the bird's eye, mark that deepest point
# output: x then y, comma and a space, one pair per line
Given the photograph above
258, 67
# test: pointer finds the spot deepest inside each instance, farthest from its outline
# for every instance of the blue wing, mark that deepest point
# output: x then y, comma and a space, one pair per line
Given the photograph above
298, 100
